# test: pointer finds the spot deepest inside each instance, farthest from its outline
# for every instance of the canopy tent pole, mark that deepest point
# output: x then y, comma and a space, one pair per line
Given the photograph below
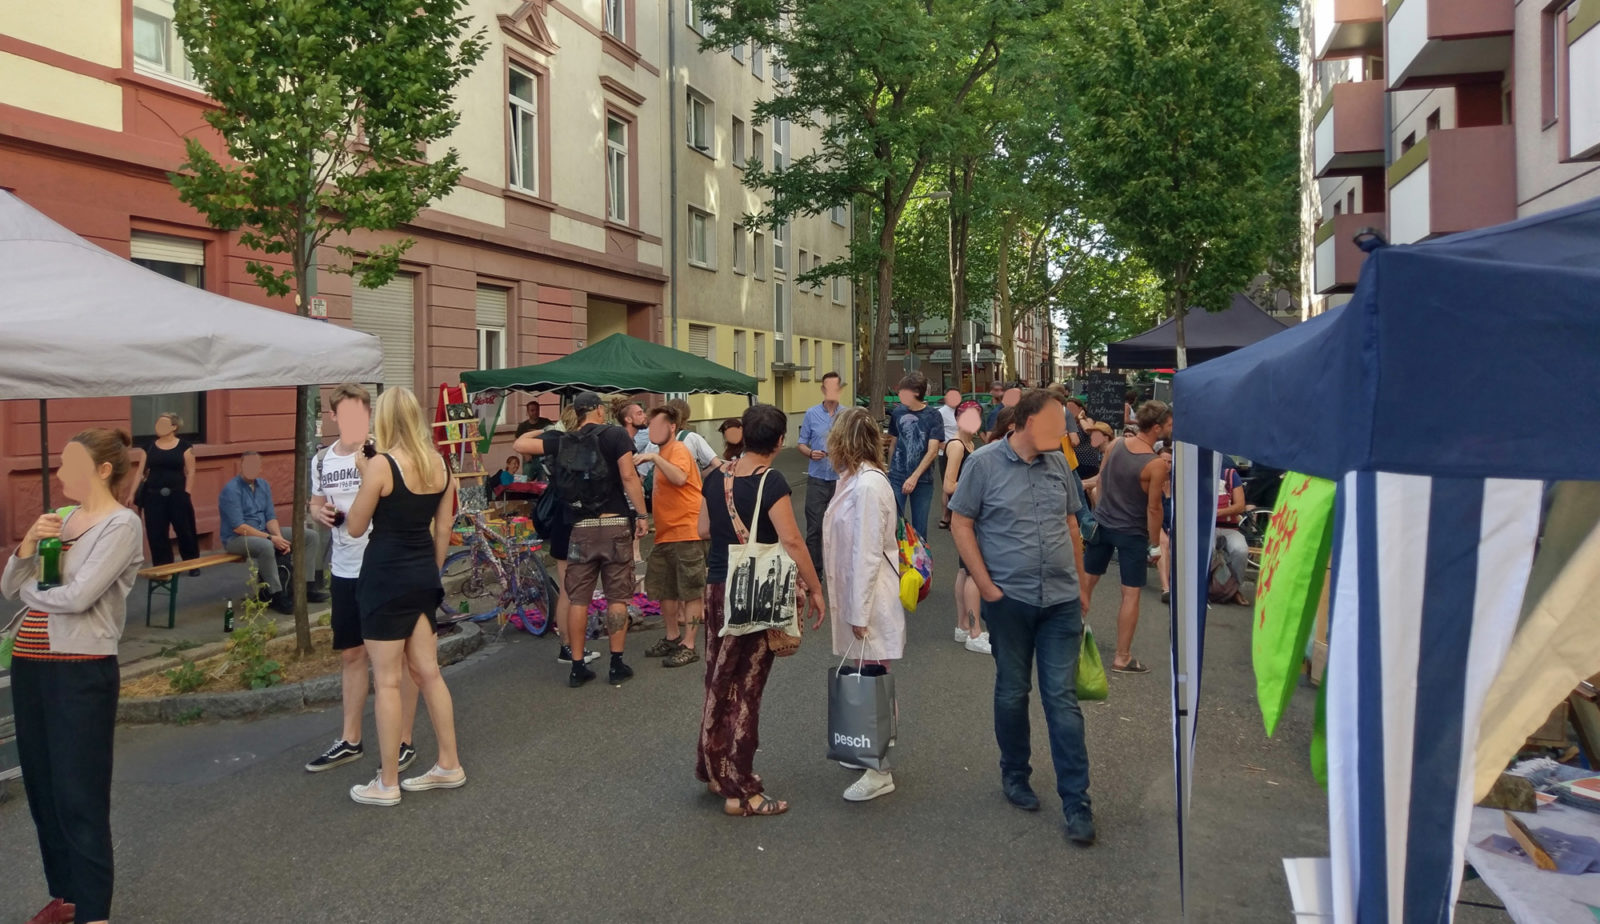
44, 450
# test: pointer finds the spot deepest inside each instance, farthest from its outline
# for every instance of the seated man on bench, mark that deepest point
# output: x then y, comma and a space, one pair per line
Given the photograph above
250, 528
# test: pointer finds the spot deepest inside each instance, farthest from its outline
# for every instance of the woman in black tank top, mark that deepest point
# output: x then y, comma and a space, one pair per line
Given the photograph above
405, 499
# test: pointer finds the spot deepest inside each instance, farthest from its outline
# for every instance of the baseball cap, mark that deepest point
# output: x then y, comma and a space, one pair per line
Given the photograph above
585, 401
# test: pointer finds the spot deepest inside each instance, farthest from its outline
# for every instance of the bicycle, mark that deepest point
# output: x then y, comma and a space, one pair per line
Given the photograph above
505, 576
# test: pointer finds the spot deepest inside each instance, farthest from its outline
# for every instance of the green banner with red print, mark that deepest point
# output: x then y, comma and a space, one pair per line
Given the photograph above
1294, 564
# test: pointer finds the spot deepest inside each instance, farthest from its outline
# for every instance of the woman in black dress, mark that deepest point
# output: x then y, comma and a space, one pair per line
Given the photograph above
405, 499
164, 494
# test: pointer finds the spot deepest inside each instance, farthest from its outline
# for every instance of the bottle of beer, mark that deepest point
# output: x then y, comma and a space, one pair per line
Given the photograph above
227, 618
49, 563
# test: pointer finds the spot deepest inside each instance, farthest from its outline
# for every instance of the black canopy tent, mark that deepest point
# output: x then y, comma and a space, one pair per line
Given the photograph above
1207, 335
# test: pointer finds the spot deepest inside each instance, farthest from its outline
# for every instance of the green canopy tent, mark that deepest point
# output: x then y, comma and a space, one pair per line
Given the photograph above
618, 363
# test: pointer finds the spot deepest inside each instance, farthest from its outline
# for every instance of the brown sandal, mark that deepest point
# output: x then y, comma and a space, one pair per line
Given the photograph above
765, 807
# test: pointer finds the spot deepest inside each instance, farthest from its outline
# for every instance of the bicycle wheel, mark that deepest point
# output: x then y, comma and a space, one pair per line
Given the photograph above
538, 593
472, 588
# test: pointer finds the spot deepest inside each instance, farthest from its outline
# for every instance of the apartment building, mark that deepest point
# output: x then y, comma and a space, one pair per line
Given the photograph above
1429, 117
736, 297
554, 238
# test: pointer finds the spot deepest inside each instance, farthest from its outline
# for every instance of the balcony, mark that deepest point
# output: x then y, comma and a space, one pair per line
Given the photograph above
1583, 83
1435, 43
1338, 258
1349, 132
1453, 180
1346, 27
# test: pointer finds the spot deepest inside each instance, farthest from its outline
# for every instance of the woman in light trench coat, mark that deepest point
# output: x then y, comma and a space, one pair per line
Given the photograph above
861, 562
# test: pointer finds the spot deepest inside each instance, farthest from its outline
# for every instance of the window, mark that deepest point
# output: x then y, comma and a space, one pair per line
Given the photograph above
737, 133
836, 215
758, 147
803, 264
738, 52
780, 244
755, 60
523, 97
779, 72
491, 318
1350, 202
389, 313
702, 238
738, 351
1433, 121
780, 141
156, 46
739, 249
700, 341
805, 360
183, 260
816, 285
699, 127
759, 247
1552, 46
838, 358
760, 369
1409, 142
617, 169
780, 310
839, 289
617, 19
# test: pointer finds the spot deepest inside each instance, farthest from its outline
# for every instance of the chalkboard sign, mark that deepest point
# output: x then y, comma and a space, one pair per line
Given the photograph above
1105, 391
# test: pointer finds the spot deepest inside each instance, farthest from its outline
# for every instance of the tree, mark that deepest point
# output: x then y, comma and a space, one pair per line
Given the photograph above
1182, 128
327, 111
885, 83
1109, 296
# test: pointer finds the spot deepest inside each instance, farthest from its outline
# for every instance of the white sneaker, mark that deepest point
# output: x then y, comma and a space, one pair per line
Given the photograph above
849, 766
979, 644
435, 779
375, 793
961, 635
873, 783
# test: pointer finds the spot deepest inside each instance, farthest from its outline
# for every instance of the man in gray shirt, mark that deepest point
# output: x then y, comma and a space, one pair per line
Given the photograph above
1014, 525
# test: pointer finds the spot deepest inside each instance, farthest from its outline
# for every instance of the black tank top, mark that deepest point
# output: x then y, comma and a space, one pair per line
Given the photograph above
399, 558
165, 466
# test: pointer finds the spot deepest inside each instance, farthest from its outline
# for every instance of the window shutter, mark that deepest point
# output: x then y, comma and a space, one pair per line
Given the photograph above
700, 341
389, 313
491, 307
168, 249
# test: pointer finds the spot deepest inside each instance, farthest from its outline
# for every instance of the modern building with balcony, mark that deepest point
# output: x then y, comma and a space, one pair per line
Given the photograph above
1429, 117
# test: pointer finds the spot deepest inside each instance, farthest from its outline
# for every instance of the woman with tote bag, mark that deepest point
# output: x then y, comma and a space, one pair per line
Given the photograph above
737, 666
869, 623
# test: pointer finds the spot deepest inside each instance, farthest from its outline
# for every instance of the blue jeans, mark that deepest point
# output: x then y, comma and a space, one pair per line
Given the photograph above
919, 501
1018, 633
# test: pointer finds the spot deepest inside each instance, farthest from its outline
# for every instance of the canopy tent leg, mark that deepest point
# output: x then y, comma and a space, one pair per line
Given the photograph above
44, 450
1194, 476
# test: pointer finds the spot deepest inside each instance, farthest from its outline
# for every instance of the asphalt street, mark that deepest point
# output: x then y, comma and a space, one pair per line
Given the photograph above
582, 804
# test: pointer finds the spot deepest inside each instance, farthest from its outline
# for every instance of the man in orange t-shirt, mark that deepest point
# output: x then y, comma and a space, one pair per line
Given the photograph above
676, 571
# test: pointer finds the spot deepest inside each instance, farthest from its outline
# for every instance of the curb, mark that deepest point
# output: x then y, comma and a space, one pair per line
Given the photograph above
244, 704
153, 664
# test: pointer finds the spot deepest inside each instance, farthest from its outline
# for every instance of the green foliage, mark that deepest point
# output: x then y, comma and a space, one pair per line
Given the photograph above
327, 111
1182, 130
190, 716
171, 651
185, 678
253, 628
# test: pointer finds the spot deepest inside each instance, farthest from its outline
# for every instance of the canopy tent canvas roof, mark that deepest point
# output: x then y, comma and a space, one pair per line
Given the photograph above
81, 322
619, 363
1436, 523
1206, 335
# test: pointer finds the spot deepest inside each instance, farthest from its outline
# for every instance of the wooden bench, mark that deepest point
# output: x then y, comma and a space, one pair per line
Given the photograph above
164, 578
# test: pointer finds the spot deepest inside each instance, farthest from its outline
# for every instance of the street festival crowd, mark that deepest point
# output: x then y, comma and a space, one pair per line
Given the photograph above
1040, 498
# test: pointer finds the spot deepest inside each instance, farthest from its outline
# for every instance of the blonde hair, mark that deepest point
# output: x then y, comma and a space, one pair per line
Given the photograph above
569, 418
854, 441
398, 425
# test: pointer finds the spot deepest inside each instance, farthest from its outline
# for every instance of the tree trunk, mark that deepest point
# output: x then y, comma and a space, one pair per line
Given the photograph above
960, 235
879, 379
1179, 309
305, 436
1002, 280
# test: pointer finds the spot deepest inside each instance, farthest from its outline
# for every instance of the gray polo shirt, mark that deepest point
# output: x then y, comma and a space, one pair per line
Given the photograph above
1020, 511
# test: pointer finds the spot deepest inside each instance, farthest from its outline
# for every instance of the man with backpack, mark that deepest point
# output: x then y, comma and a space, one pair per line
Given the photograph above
595, 480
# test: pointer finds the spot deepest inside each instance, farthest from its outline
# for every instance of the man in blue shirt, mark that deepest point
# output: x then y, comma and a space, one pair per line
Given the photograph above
250, 528
1013, 523
918, 432
821, 479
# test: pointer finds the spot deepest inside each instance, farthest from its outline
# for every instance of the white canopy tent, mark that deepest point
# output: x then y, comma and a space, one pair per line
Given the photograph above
77, 321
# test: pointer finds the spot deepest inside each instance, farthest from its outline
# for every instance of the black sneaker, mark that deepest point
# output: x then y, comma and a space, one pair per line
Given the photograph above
620, 673
342, 752
580, 675
407, 754
565, 657
1080, 828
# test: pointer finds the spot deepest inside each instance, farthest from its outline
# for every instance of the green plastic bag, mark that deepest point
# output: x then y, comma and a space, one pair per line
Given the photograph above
1091, 673
7, 643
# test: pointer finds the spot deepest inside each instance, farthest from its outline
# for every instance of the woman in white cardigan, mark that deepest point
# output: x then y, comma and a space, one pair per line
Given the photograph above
861, 563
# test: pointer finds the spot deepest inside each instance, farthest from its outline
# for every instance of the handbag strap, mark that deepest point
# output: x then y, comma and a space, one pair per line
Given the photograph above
746, 536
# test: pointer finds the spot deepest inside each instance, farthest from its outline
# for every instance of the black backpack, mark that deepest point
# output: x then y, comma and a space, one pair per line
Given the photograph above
585, 479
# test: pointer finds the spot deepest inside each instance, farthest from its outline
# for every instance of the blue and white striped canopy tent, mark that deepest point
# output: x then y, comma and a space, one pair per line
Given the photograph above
1430, 398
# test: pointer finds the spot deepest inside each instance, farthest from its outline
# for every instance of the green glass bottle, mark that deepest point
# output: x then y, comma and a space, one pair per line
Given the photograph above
227, 618
49, 563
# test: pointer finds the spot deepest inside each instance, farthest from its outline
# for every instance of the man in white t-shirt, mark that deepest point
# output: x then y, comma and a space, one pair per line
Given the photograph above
335, 481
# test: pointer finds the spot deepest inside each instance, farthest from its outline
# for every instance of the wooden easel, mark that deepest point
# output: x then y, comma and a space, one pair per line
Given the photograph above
458, 439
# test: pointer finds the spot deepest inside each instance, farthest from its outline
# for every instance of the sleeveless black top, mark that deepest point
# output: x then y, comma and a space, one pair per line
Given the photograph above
399, 558
164, 467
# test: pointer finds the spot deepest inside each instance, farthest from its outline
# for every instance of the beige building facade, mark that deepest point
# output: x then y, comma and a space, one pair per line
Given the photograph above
1429, 117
